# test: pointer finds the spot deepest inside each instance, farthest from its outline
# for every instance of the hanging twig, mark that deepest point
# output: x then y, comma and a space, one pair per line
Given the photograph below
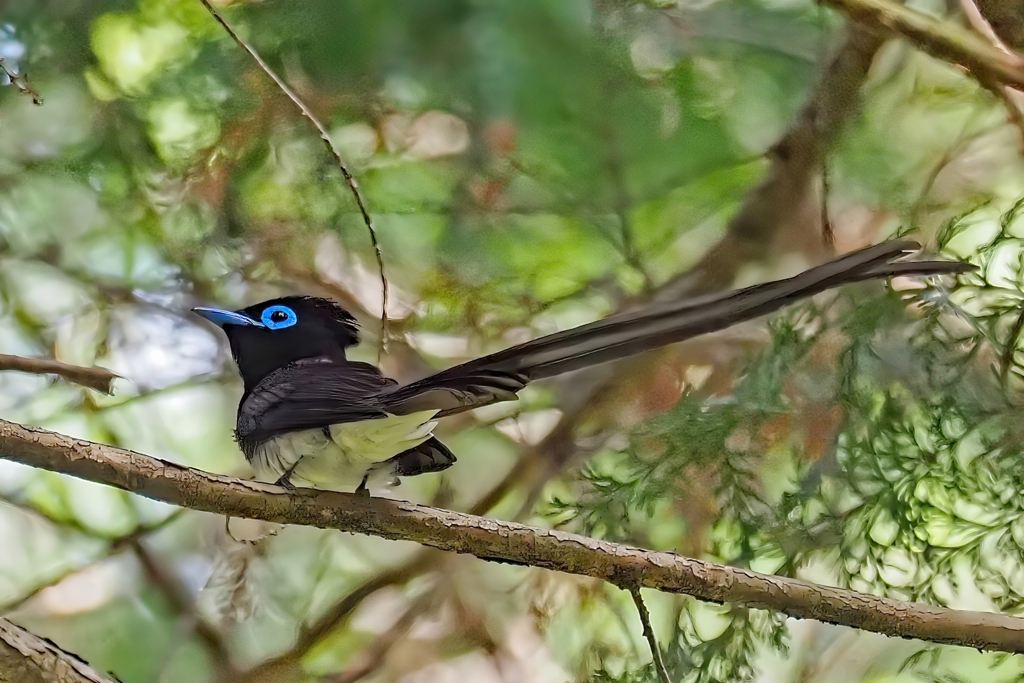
652, 639
349, 178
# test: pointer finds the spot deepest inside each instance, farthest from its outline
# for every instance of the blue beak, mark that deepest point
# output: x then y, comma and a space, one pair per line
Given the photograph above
218, 316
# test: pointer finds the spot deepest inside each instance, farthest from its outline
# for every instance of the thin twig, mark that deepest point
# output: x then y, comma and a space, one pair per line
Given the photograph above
652, 639
827, 232
349, 178
96, 378
20, 81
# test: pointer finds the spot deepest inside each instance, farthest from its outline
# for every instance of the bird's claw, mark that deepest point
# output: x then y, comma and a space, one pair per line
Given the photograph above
285, 482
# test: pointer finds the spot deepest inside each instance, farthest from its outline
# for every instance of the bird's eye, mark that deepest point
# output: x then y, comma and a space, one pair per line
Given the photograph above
276, 317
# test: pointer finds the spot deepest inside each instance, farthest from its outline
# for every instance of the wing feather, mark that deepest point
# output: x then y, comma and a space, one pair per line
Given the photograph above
310, 394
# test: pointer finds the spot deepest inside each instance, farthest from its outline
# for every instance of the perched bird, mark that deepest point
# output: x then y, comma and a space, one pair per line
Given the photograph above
311, 417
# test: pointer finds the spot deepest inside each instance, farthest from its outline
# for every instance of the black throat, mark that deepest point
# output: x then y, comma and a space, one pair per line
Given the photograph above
256, 364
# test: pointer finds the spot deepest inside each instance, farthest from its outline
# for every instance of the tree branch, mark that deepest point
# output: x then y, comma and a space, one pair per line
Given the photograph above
26, 658
508, 542
96, 378
938, 38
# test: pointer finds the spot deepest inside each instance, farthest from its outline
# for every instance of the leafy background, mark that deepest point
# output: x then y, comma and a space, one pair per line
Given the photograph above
530, 165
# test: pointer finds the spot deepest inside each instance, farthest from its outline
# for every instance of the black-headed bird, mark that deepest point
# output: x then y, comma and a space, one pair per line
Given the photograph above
311, 417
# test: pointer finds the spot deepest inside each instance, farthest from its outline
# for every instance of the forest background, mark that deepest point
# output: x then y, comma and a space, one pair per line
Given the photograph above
527, 166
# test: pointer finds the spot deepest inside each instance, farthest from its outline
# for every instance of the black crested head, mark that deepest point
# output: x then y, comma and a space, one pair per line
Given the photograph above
269, 335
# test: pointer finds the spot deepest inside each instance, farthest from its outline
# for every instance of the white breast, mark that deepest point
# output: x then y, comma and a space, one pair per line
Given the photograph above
340, 461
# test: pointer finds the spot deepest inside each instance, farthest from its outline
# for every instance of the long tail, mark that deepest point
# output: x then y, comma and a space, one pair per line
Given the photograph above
498, 376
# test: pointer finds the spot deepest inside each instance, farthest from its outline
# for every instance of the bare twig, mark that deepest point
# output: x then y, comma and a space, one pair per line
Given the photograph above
325, 136
318, 630
827, 232
508, 542
27, 658
20, 81
938, 38
652, 639
96, 378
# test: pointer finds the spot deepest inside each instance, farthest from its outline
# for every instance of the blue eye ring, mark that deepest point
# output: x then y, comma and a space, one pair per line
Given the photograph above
271, 317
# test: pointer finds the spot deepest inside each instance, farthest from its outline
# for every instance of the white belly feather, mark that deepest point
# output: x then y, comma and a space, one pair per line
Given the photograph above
340, 462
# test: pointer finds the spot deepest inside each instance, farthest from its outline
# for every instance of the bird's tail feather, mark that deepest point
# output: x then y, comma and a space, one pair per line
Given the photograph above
429, 456
631, 333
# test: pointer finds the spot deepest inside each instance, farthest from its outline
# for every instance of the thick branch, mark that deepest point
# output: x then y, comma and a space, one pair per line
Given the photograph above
26, 658
504, 542
938, 38
96, 378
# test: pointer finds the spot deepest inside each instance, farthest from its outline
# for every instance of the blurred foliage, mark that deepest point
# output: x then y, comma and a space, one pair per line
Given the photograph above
530, 165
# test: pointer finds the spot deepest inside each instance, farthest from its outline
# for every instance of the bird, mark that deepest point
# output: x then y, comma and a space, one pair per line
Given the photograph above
310, 417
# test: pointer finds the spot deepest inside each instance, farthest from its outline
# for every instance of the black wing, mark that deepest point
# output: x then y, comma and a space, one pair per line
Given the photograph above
309, 394
500, 375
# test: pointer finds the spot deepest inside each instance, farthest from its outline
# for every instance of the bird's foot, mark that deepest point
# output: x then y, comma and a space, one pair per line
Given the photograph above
362, 490
285, 481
